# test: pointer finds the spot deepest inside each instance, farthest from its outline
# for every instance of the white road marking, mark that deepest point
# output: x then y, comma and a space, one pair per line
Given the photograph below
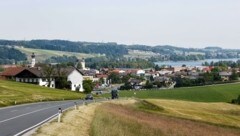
30, 113
30, 128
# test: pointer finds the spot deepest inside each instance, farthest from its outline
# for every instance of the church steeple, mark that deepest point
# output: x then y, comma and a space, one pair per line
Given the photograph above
33, 60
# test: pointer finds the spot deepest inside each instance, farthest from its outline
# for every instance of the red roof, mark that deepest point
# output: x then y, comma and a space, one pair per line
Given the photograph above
102, 76
12, 71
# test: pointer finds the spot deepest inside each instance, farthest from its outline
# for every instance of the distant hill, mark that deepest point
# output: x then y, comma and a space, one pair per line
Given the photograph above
213, 48
116, 51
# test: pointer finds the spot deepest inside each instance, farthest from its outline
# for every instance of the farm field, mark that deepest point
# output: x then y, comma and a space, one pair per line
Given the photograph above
11, 91
219, 113
45, 54
215, 93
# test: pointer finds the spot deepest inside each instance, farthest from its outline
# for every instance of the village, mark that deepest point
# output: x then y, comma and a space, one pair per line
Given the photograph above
72, 78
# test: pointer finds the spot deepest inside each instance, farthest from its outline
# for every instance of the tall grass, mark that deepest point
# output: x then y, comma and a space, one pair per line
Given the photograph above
122, 120
106, 123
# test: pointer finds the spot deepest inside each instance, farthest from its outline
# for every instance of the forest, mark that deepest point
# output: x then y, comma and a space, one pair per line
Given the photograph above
9, 55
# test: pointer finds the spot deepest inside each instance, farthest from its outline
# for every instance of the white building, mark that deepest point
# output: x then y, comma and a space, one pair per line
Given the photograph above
76, 79
38, 76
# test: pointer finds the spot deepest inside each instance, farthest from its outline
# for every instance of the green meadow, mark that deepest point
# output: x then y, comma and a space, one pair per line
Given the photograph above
11, 91
42, 54
215, 93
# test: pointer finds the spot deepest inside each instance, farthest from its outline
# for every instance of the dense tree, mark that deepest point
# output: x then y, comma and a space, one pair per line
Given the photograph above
88, 86
100, 62
114, 78
234, 75
148, 84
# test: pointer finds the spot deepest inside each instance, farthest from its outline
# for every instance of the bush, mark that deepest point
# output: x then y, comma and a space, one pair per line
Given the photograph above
88, 86
236, 101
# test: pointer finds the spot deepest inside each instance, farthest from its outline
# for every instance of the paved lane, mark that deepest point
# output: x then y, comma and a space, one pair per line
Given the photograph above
18, 118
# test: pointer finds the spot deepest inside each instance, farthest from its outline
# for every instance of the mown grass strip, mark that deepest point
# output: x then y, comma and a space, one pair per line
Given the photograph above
11, 92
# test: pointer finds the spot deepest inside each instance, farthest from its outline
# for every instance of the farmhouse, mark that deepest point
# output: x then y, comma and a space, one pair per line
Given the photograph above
10, 72
40, 77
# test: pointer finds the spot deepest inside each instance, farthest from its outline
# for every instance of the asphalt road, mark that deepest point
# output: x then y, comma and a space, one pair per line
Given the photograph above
15, 119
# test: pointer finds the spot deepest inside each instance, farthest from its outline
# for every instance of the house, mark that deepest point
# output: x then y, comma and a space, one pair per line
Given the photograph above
35, 76
104, 77
135, 83
10, 72
75, 77
90, 74
225, 75
38, 76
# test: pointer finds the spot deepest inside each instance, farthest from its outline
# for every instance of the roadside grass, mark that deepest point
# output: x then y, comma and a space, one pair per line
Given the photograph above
45, 54
219, 113
215, 93
74, 123
113, 119
11, 91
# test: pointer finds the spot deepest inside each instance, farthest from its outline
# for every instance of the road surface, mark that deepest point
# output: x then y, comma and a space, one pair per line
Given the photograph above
15, 120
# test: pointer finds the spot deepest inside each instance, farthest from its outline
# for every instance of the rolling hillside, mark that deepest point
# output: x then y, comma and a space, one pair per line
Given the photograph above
45, 54
25, 93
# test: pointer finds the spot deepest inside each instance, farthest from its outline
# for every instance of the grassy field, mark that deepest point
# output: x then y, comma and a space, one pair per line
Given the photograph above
216, 113
132, 119
24, 93
216, 93
141, 54
45, 54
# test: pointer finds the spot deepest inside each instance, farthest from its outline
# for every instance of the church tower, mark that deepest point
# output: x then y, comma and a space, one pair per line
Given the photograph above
33, 60
83, 64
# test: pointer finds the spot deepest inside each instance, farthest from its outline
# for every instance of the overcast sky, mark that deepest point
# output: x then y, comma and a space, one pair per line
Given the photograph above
184, 23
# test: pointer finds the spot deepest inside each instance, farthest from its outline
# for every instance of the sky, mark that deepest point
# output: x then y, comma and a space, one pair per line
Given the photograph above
182, 23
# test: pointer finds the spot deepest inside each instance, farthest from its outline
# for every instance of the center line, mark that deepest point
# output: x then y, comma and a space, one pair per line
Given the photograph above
30, 113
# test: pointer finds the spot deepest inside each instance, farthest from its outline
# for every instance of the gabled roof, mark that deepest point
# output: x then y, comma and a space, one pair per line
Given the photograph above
39, 72
12, 71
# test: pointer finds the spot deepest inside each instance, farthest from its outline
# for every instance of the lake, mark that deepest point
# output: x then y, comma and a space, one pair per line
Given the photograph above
192, 63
